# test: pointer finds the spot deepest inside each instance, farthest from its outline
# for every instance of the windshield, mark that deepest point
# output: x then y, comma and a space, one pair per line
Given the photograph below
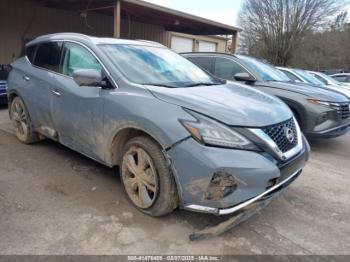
264, 70
159, 66
330, 80
308, 77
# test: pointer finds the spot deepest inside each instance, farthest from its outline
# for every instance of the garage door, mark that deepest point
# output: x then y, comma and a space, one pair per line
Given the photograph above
206, 46
181, 44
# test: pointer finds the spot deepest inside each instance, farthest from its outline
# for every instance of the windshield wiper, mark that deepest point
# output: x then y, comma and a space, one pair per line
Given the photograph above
203, 84
161, 85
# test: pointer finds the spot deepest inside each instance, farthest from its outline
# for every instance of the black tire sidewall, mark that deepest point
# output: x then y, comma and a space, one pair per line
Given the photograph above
166, 200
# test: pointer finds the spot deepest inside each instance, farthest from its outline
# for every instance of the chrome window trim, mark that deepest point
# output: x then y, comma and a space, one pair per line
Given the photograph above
273, 146
78, 43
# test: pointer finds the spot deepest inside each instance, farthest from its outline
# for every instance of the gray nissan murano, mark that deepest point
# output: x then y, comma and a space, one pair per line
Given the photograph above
180, 137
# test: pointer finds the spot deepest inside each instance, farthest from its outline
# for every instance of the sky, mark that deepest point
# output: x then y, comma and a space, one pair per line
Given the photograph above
224, 11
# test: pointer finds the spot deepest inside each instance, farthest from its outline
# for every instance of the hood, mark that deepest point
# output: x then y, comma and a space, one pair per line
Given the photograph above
307, 90
232, 104
345, 90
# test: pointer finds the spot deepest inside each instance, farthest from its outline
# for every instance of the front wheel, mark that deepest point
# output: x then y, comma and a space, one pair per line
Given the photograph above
147, 178
21, 122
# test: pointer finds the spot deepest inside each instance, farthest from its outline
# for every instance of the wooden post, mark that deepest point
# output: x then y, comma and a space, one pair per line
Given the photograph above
234, 42
116, 24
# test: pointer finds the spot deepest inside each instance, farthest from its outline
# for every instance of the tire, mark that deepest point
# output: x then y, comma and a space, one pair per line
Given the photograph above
21, 122
297, 117
144, 166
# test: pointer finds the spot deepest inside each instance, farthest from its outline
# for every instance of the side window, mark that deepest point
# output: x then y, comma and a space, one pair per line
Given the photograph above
205, 63
30, 52
321, 79
77, 57
341, 78
227, 69
48, 56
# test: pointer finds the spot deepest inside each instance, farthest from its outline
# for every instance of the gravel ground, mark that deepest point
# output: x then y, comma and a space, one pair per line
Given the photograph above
56, 201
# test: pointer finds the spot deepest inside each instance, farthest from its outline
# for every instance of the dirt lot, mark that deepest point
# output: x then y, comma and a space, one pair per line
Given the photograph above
55, 201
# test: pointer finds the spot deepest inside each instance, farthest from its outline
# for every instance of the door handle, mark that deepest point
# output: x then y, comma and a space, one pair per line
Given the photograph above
56, 93
26, 78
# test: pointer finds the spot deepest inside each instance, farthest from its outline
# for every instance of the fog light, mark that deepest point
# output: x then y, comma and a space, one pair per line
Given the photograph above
221, 185
322, 118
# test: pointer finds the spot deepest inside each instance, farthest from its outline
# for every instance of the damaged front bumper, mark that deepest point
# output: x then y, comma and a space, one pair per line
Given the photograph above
268, 194
258, 176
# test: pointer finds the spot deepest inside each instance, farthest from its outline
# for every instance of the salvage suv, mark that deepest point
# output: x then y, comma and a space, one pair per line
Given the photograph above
321, 113
180, 137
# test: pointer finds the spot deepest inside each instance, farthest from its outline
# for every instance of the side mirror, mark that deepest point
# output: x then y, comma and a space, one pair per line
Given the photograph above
88, 77
244, 77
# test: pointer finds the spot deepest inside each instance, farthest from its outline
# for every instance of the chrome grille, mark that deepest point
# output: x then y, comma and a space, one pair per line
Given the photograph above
280, 133
343, 109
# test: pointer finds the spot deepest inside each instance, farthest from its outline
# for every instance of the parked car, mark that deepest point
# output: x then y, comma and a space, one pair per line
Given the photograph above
303, 76
333, 71
326, 79
320, 112
344, 78
4, 69
177, 139
3, 93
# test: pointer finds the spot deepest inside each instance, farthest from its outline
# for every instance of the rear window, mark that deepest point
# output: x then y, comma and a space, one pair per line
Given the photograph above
48, 56
30, 52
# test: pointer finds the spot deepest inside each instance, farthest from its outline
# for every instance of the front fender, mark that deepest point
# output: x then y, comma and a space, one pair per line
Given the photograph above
144, 113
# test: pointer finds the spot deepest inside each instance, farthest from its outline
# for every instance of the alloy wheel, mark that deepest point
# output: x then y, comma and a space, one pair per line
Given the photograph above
140, 177
20, 120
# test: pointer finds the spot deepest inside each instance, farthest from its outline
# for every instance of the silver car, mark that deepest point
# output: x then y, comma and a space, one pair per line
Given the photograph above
178, 140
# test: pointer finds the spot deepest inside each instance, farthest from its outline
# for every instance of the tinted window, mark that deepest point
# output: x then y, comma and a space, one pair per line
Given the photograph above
30, 52
205, 63
227, 69
77, 57
48, 56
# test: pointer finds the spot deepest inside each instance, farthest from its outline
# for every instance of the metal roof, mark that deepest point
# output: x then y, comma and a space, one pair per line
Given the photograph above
139, 10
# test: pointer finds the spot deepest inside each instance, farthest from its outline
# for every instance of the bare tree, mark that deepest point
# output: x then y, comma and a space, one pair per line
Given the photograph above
275, 28
328, 49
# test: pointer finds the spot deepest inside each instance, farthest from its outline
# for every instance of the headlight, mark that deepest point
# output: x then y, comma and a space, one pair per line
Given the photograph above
323, 103
210, 132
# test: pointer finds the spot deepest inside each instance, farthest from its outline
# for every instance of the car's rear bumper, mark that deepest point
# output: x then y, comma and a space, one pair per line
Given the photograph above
3, 94
3, 98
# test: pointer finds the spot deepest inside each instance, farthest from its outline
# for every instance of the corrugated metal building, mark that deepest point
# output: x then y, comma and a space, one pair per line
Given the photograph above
22, 20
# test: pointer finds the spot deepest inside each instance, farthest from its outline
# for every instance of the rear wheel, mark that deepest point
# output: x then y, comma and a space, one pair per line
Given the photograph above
21, 122
147, 178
